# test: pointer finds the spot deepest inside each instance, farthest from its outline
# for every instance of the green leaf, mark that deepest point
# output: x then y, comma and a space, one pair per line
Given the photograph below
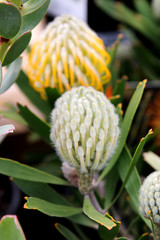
126, 124
66, 232
11, 75
31, 20
40, 190
37, 124
106, 234
152, 159
45, 192
144, 7
17, 48
133, 184
10, 228
31, 6
52, 96
93, 214
18, 3
112, 50
145, 236
153, 226
119, 88
21, 171
12, 114
23, 83
9, 128
111, 183
123, 14
132, 164
10, 19
51, 209
23, 1
82, 220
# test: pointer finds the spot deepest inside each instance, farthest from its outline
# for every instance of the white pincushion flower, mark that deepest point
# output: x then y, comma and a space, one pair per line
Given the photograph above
84, 129
149, 197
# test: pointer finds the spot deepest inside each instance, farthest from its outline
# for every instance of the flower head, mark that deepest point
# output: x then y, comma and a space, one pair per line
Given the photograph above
149, 197
68, 54
84, 129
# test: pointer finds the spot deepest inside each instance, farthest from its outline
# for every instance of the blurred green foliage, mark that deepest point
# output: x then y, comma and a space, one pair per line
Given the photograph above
140, 58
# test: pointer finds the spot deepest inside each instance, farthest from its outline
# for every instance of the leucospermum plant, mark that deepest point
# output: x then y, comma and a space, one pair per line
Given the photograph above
84, 130
89, 133
68, 54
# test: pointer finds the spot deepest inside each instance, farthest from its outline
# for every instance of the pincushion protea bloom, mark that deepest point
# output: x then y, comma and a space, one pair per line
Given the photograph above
149, 199
84, 130
68, 54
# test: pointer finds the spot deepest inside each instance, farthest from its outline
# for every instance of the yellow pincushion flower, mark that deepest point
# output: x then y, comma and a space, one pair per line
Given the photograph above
67, 54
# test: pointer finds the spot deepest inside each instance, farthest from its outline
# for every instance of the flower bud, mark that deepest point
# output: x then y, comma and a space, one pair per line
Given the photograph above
68, 54
88, 136
149, 197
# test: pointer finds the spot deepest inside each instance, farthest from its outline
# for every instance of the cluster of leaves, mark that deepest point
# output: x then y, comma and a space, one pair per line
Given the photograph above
35, 182
17, 19
142, 27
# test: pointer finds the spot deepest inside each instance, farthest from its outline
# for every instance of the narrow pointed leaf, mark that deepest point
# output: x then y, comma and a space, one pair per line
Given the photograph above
120, 88
40, 190
152, 159
66, 232
12, 114
83, 220
47, 193
11, 75
17, 48
93, 214
37, 124
21, 171
112, 50
133, 184
31, 6
144, 8
10, 19
5, 129
51, 209
10, 228
133, 164
145, 236
125, 15
23, 83
126, 124
112, 178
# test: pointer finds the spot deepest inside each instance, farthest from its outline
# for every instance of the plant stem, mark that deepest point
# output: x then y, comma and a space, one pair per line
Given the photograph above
157, 231
85, 182
95, 202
